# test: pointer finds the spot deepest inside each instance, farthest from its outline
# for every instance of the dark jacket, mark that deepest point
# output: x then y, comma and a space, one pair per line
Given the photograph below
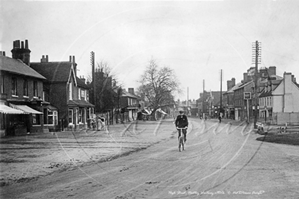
181, 121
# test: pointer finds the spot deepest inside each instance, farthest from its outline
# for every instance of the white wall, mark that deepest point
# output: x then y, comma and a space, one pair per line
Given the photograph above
289, 102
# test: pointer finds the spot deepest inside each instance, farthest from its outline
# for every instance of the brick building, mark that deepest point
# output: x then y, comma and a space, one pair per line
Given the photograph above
21, 96
68, 93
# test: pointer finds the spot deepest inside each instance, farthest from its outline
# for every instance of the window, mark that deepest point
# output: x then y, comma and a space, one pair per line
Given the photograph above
25, 88
80, 116
79, 93
35, 89
52, 117
70, 116
35, 119
83, 95
2, 84
14, 86
55, 117
70, 91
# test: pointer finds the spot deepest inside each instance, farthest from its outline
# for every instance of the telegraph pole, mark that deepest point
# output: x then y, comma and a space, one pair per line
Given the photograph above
203, 116
220, 93
256, 59
93, 77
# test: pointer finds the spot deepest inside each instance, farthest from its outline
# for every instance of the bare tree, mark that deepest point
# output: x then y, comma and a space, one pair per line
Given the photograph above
158, 85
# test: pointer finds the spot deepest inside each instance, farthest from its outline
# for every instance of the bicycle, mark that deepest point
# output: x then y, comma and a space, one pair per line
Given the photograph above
181, 139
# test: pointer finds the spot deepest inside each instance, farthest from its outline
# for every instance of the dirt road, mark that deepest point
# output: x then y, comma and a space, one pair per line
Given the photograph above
220, 161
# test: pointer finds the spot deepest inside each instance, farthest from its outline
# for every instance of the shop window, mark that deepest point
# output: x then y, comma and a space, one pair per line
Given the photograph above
35, 119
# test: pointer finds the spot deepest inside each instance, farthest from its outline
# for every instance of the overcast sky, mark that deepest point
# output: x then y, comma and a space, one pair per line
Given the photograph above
197, 39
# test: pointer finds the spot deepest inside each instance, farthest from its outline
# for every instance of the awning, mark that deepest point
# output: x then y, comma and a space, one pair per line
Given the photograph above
8, 110
25, 108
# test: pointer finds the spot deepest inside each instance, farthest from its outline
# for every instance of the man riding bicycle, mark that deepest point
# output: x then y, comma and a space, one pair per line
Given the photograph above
181, 122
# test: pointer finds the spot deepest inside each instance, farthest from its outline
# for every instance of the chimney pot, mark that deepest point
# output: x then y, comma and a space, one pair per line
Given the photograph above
22, 44
17, 43
26, 44
47, 58
70, 58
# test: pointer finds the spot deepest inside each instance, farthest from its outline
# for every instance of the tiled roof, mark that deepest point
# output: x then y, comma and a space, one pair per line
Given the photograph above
18, 67
53, 71
234, 87
81, 83
80, 103
127, 94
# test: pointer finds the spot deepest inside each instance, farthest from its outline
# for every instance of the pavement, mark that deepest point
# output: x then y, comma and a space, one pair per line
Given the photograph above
31, 156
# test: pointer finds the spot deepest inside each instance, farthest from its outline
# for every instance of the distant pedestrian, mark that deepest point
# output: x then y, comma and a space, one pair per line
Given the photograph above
220, 118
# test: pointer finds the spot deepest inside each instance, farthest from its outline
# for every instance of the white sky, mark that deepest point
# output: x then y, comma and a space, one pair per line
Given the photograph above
197, 39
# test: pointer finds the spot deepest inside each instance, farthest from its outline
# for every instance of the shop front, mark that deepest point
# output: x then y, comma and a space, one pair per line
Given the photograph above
12, 121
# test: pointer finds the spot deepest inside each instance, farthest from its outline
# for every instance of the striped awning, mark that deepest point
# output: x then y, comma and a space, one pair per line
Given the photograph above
8, 110
25, 109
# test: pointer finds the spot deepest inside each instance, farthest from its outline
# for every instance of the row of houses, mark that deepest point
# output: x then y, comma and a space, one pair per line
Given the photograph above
277, 98
46, 95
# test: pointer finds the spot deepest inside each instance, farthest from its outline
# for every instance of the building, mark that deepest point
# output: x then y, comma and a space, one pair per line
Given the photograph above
229, 98
65, 91
209, 104
242, 108
129, 105
21, 97
280, 101
237, 102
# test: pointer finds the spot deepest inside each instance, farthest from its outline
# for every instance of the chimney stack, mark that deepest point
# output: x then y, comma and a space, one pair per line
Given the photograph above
272, 70
82, 79
131, 91
21, 53
44, 59
245, 79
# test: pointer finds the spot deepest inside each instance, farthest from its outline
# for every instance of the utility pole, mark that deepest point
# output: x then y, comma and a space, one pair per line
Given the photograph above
203, 116
93, 77
220, 94
256, 59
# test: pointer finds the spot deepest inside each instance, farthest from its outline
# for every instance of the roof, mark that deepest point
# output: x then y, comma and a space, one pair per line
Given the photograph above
18, 67
127, 94
53, 71
243, 85
233, 88
80, 103
81, 83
